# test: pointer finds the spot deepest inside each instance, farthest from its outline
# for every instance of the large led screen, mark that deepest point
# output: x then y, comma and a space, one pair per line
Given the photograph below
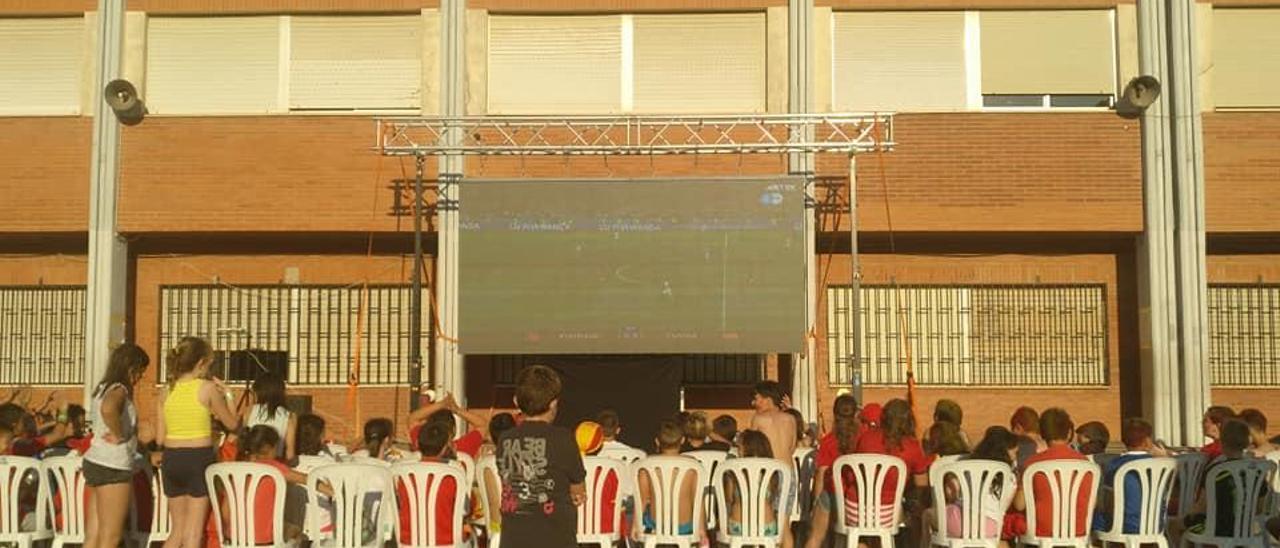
631, 266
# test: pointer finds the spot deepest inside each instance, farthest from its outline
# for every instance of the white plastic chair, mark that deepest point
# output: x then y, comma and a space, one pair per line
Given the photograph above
238, 483
161, 524
18, 476
1249, 478
590, 513
489, 483
365, 459
976, 481
1190, 467
1066, 480
354, 486
337, 449
759, 483
468, 465
710, 461
1155, 476
66, 477
870, 518
806, 466
307, 463
666, 476
1274, 457
422, 482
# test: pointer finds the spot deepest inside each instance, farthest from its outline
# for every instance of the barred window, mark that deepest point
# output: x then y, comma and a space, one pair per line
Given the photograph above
1009, 335
42, 335
699, 369
1244, 335
316, 325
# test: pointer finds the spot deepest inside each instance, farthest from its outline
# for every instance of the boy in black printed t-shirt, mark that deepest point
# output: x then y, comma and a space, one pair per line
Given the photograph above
542, 474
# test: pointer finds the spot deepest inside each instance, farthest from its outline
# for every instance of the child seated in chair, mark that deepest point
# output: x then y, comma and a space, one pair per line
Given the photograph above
669, 440
260, 445
436, 444
752, 444
1234, 440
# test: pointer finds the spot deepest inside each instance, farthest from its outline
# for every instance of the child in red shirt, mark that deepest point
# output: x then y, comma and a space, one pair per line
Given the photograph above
896, 437
1056, 428
434, 440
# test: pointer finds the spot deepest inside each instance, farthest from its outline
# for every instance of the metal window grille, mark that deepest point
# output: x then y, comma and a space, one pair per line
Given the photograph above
1015, 335
42, 335
316, 325
1244, 335
699, 369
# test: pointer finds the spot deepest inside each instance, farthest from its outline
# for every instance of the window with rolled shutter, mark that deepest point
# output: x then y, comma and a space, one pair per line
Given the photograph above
1033, 53
700, 63
355, 63
1246, 57
555, 64
41, 63
898, 61
213, 65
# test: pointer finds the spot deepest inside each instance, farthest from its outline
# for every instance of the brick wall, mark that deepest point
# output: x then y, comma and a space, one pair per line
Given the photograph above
1242, 171
44, 174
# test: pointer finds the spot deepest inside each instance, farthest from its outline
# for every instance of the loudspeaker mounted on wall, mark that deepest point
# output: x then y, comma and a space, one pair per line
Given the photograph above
123, 99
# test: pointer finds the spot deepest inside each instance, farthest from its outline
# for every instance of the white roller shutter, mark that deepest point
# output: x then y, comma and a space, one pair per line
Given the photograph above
898, 61
700, 63
1246, 57
41, 65
555, 64
213, 65
356, 62
1039, 52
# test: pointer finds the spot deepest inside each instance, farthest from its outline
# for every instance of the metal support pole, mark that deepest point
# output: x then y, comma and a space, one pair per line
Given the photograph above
108, 252
804, 388
415, 300
1171, 252
449, 372
855, 287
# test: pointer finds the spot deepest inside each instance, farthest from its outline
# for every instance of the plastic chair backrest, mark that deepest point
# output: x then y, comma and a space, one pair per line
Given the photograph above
806, 466
1068, 481
870, 475
758, 483
666, 475
422, 483
238, 483
710, 461
468, 466
161, 523
364, 459
628, 455
353, 486
337, 449
975, 479
591, 514
490, 485
66, 475
1155, 478
16, 474
307, 463
1274, 457
1249, 479
1190, 467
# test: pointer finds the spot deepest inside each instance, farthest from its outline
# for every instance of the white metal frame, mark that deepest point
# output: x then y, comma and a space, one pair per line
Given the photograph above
634, 135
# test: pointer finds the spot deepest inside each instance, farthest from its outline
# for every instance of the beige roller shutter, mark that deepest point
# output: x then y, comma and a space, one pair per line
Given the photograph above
1039, 52
555, 64
212, 65
898, 61
359, 62
1246, 57
41, 65
700, 63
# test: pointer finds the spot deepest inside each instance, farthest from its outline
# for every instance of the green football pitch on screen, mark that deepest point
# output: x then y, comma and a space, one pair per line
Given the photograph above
631, 266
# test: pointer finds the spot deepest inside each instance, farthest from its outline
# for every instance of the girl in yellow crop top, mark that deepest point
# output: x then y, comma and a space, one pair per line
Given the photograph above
184, 428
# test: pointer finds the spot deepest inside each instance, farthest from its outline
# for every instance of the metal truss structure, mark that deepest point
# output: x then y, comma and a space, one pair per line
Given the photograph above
634, 135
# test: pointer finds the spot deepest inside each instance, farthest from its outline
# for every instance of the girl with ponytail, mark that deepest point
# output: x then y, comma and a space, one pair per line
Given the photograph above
841, 440
185, 431
108, 464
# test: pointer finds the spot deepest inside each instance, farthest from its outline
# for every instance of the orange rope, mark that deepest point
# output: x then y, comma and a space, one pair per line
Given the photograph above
353, 381
903, 321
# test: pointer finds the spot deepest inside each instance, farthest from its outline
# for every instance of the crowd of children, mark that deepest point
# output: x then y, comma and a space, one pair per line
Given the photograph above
541, 465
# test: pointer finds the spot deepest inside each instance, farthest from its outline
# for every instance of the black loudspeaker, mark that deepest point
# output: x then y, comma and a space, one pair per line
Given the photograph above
248, 365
